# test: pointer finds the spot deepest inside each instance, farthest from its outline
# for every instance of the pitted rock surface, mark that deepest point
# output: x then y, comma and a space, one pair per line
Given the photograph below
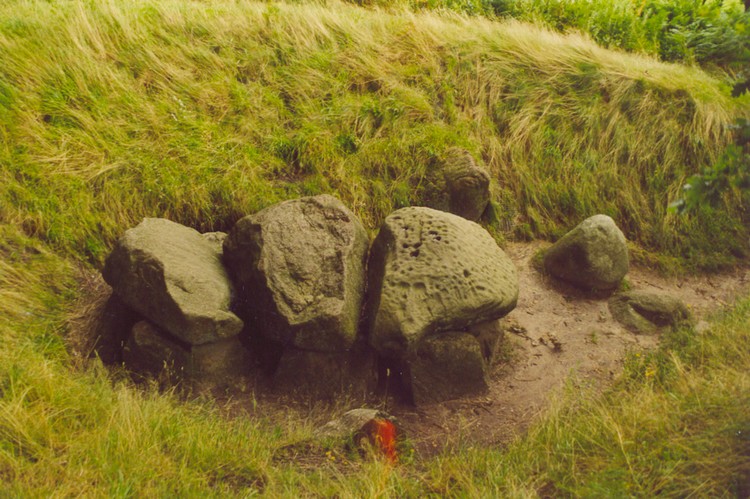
432, 271
467, 183
174, 277
594, 255
299, 267
458, 185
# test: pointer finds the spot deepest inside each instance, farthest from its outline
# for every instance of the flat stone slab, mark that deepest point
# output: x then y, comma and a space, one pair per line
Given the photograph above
150, 349
645, 312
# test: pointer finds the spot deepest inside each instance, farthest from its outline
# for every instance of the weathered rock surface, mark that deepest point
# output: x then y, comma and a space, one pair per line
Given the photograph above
467, 183
594, 255
215, 238
457, 184
646, 313
152, 350
170, 274
432, 271
489, 335
350, 423
299, 269
446, 366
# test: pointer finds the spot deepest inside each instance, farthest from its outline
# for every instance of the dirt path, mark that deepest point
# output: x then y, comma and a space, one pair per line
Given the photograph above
557, 333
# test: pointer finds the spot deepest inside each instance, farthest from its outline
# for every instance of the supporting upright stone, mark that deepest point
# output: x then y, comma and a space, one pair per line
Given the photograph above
154, 351
446, 366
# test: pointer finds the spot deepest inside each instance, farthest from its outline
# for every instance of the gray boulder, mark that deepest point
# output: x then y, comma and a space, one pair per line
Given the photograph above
299, 267
459, 185
444, 367
174, 277
468, 184
432, 271
152, 350
594, 255
646, 313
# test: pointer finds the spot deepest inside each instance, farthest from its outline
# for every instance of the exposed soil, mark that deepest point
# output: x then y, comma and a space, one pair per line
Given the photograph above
556, 334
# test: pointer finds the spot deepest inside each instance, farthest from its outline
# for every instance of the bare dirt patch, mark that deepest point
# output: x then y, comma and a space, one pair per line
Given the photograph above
556, 334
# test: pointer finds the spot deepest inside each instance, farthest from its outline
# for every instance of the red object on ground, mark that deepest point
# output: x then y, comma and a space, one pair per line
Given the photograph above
385, 438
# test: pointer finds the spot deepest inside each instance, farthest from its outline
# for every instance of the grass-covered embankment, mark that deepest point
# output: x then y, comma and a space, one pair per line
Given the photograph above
204, 111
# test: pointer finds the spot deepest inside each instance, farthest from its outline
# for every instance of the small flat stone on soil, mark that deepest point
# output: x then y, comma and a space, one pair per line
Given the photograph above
646, 312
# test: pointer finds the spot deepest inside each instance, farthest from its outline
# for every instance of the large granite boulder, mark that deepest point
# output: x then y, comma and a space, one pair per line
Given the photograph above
173, 276
594, 255
646, 312
432, 271
299, 267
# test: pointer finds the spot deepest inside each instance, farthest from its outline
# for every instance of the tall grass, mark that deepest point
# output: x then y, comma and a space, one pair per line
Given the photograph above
712, 33
203, 113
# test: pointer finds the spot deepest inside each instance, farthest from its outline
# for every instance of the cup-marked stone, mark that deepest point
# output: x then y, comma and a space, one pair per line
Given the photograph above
432, 271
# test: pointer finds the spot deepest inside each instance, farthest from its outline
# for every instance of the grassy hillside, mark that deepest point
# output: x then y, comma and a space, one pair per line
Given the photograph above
205, 111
